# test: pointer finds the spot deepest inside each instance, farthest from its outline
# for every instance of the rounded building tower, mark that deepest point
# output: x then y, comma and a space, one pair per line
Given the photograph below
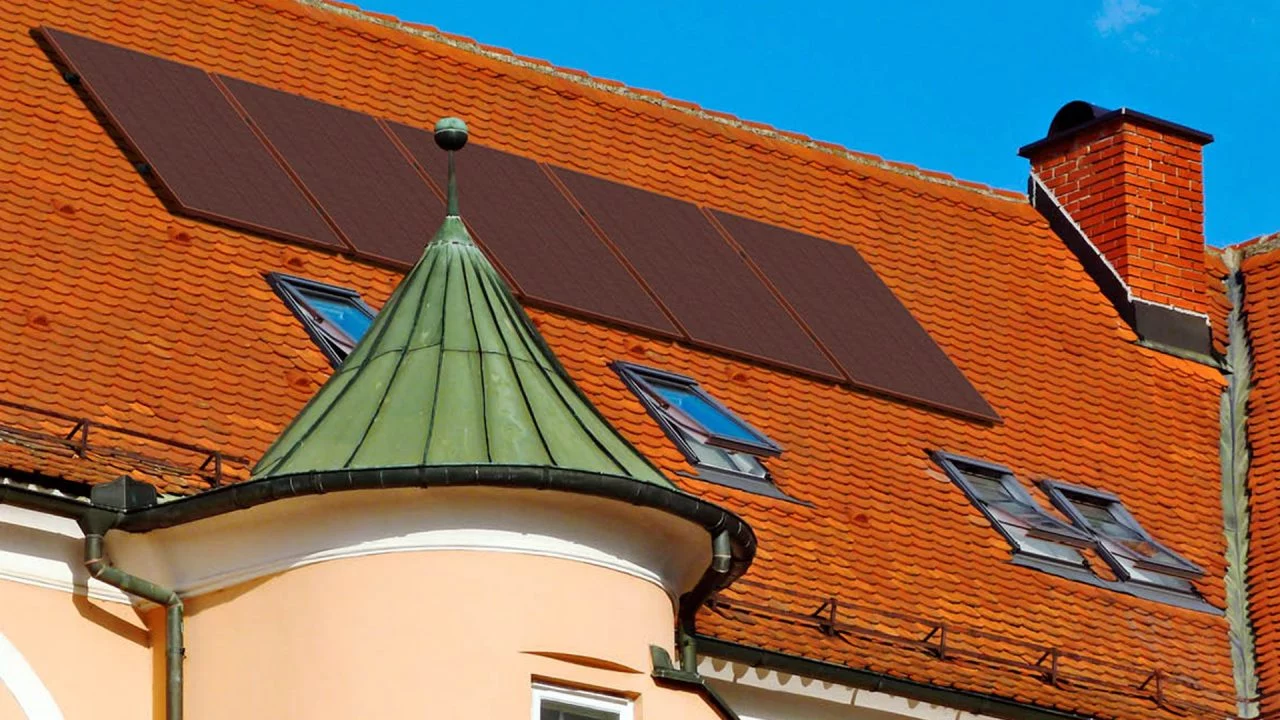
496, 548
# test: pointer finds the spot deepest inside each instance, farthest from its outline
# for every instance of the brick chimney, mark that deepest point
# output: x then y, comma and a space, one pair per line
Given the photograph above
1126, 192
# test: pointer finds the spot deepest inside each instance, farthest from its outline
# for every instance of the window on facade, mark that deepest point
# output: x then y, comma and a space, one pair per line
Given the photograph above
1029, 529
722, 446
1124, 544
335, 318
553, 703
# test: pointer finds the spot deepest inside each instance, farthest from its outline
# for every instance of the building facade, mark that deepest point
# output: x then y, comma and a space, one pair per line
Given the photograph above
602, 405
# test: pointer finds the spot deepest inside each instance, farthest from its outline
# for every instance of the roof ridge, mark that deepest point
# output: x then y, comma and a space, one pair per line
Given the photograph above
658, 99
1259, 245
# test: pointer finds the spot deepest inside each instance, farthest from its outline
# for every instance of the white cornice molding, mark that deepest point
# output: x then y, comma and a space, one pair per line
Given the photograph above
224, 551
230, 549
759, 693
47, 551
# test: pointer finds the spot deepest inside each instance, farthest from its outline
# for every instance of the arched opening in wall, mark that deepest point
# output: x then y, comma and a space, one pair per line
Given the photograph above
20, 679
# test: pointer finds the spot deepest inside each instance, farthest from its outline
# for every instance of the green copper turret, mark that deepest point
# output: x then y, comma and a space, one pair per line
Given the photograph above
452, 373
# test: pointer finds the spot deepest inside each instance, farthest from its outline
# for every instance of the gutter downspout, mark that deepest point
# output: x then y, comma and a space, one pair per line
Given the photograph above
95, 521
96, 562
718, 575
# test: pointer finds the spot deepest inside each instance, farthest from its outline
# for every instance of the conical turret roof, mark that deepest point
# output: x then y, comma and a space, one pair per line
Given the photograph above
452, 373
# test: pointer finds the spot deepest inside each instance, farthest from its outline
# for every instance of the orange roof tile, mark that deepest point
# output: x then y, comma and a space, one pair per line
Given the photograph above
117, 311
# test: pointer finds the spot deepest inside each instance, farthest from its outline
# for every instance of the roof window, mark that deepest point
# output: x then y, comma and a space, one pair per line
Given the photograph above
722, 446
1032, 532
335, 318
1099, 527
1129, 549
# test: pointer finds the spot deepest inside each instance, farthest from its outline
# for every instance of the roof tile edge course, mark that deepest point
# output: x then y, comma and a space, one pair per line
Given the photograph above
655, 98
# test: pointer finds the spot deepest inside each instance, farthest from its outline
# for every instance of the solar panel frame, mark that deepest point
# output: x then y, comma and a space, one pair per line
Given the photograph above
711, 291
347, 161
874, 337
157, 106
539, 238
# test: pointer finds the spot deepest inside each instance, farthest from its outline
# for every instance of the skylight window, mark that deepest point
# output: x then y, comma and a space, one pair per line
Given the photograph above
335, 318
1033, 533
1130, 550
721, 445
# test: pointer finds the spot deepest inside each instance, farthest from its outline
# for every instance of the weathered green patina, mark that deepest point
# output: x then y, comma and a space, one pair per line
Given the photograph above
1235, 457
452, 372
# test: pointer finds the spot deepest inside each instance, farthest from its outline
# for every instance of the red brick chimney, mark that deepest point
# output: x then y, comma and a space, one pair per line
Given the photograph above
1132, 185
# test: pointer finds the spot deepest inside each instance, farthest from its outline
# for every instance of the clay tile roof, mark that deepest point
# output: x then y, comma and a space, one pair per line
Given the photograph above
116, 311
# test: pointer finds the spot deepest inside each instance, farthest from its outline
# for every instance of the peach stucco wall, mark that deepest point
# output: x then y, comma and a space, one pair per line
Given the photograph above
92, 656
427, 634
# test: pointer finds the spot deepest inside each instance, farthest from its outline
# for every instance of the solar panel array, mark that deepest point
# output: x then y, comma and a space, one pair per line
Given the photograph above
199, 150
368, 189
276, 163
537, 237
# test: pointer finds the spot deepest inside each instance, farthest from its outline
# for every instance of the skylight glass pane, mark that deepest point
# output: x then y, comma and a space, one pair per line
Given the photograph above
1155, 578
712, 418
722, 459
1102, 519
1104, 522
989, 490
996, 495
349, 317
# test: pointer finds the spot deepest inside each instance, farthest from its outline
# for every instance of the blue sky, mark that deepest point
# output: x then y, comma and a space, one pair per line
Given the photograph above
950, 86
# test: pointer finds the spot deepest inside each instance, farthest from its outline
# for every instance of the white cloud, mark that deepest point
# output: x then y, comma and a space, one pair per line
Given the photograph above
1117, 15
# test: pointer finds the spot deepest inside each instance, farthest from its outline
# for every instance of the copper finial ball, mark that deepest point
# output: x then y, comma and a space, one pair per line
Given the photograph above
451, 134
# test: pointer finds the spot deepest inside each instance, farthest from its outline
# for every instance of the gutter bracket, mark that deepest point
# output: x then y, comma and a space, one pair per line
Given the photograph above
666, 673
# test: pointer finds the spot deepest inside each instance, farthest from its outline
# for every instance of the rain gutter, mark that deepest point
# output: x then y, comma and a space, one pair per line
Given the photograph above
95, 521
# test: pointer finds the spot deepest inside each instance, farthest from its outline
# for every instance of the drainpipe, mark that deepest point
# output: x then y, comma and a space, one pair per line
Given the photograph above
716, 576
98, 566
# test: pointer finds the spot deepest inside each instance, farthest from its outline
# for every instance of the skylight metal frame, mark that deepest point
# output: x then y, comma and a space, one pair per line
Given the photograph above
638, 379
1067, 535
332, 340
1061, 493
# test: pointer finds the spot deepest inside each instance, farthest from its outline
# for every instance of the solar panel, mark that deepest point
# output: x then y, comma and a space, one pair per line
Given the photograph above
537, 236
856, 316
353, 169
201, 152
711, 291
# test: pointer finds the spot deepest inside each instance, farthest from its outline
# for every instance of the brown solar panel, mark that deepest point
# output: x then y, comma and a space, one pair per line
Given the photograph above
537, 236
711, 291
204, 155
856, 316
352, 168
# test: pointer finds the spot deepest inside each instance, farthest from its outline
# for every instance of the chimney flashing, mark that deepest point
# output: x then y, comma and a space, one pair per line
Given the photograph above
1178, 331
1078, 117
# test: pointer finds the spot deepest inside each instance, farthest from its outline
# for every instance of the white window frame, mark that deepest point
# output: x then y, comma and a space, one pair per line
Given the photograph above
584, 699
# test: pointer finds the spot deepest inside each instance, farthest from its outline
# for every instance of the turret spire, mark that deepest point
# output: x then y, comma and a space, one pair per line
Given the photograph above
451, 136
